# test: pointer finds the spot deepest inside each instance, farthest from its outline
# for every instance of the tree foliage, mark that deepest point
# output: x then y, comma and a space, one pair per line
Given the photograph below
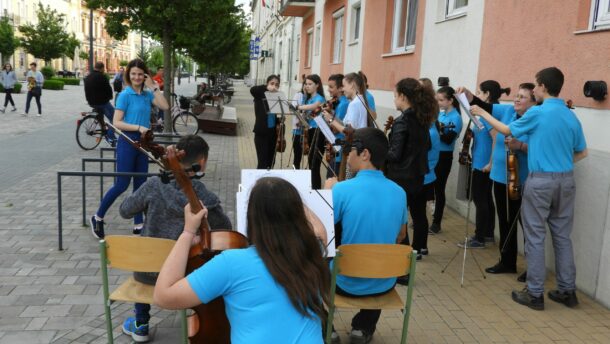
47, 39
8, 41
71, 44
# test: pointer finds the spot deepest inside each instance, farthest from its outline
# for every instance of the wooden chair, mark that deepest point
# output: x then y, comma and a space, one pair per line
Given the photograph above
373, 261
133, 253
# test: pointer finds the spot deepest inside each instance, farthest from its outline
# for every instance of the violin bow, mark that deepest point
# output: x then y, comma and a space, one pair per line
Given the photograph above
368, 110
137, 146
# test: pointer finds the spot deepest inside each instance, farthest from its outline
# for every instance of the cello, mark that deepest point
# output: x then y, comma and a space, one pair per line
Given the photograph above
209, 323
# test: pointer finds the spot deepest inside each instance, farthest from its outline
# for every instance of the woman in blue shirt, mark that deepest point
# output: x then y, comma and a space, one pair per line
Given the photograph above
275, 290
9, 79
451, 125
132, 116
314, 98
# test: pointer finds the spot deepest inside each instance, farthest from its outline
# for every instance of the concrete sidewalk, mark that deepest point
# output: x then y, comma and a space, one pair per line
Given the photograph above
48, 296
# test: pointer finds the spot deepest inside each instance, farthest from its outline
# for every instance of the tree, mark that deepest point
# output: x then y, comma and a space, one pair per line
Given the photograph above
144, 55
156, 57
71, 44
47, 39
8, 41
84, 55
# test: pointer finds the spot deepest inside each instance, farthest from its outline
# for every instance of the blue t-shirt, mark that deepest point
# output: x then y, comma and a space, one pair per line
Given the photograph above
315, 98
257, 307
136, 106
433, 153
481, 146
371, 209
370, 100
506, 114
555, 133
452, 117
340, 112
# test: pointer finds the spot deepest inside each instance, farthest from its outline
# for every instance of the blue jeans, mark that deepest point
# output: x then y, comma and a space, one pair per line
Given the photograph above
142, 313
29, 99
128, 159
108, 110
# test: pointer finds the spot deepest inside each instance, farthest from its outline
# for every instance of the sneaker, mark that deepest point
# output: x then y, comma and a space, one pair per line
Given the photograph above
523, 297
24, 114
97, 227
418, 257
523, 277
568, 298
334, 338
490, 239
424, 251
139, 333
137, 230
434, 228
403, 280
38, 115
472, 243
3, 109
359, 337
14, 109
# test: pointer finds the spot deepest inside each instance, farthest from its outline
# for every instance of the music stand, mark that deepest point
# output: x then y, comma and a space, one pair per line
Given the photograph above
279, 104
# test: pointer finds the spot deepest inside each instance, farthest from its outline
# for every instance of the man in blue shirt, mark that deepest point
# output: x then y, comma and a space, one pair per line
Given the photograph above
370, 209
335, 89
556, 141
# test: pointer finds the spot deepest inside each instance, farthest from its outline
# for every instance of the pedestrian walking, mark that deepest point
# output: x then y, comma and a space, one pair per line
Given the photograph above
35, 80
9, 79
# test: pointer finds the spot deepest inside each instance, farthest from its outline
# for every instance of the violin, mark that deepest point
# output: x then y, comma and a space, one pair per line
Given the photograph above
512, 175
209, 323
280, 130
464, 157
388, 125
329, 153
305, 143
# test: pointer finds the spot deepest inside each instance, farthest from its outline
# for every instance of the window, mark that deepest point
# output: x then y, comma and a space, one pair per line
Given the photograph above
405, 23
318, 37
355, 20
456, 7
309, 47
337, 35
601, 14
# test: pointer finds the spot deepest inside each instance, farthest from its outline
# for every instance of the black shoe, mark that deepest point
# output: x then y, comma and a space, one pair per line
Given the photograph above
499, 268
424, 251
403, 280
360, 337
419, 257
523, 297
97, 227
435, 228
568, 298
523, 277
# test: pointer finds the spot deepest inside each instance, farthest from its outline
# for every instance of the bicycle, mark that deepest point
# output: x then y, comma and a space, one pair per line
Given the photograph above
91, 129
184, 122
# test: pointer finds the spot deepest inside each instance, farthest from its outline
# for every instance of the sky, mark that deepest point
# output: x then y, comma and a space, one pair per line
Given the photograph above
246, 4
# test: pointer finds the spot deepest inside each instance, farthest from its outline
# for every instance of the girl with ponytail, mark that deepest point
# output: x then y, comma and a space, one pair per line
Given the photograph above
407, 159
356, 115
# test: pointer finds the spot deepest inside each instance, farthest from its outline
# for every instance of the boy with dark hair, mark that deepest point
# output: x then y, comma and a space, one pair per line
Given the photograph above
556, 141
164, 205
99, 94
382, 221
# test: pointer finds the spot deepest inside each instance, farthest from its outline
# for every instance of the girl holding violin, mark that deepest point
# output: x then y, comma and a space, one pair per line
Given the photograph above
314, 98
265, 135
132, 116
407, 158
272, 294
450, 121
356, 114
507, 207
337, 108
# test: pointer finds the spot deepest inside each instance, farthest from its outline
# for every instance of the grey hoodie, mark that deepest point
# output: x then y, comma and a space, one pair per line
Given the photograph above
163, 205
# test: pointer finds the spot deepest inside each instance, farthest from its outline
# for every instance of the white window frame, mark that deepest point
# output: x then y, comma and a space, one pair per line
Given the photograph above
399, 47
309, 56
355, 23
601, 13
338, 18
452, 11
317, 38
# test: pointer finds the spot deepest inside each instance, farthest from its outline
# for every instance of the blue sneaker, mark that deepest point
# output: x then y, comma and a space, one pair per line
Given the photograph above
138, 333
472, 243
97, 227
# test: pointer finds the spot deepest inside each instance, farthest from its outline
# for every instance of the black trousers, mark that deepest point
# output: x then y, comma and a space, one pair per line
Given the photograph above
265, 149
483, 201
442, 169
416, 202
8, 97
316, 152
297, 149
365, 320
506, 221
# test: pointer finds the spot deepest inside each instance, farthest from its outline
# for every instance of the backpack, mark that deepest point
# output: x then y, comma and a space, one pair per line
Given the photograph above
117, 85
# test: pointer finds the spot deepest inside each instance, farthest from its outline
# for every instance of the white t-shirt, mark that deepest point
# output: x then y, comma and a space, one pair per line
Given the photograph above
356, 115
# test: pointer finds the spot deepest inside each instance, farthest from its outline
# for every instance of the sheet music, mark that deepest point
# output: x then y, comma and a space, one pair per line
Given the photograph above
461, 98
278, 102
325, 129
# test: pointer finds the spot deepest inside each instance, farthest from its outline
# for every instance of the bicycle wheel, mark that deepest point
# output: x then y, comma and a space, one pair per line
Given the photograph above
89, 132
185, 123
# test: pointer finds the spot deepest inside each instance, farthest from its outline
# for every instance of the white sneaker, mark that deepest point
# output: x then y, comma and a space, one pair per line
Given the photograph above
2, 110
14, 109
38, 115
24, 114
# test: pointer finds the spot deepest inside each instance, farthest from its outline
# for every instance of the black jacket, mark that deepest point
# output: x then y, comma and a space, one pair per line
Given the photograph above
409, 144
97, 89
261, 108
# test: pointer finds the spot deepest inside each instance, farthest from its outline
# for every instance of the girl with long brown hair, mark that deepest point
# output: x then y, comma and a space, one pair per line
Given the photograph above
275, 290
